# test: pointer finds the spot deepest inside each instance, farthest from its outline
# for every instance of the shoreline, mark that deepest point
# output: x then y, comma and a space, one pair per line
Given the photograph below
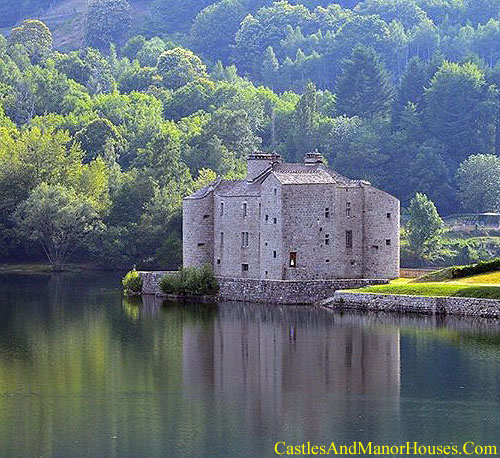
406, 304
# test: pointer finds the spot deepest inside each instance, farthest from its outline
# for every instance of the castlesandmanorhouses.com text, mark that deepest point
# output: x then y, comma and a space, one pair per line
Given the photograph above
369, 448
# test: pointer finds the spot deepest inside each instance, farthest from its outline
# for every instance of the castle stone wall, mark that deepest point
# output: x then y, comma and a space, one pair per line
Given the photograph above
198, 231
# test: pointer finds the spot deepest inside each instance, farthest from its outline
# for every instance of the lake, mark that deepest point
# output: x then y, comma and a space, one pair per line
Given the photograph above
85, 372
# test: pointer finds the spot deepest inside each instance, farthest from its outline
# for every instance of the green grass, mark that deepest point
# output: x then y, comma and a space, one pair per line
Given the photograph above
435, 289
454, 272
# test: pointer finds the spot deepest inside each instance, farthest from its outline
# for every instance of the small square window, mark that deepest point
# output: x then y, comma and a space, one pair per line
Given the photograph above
388, 216
244, 239
218, 261
327, 213
206, 216
327, 261
375, 247
293, 259
274, 254
244, 267
266, 243
201, 244
388, 242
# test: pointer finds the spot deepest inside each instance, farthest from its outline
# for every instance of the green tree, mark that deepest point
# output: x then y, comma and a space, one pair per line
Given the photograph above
36, 37
478, 179
457, 112
215, 26
364, 87
270, 67
58, 219
424, 223
180, 66
107, 21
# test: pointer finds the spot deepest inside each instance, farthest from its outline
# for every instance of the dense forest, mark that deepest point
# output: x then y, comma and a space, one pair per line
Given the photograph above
143, 102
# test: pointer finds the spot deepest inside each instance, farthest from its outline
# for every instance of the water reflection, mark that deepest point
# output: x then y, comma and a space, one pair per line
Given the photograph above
85, 372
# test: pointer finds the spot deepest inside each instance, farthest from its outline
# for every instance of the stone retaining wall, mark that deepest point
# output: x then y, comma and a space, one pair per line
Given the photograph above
267, 291
460, 306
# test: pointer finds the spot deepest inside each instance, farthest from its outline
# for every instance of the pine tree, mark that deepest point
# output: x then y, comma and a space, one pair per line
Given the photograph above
364, 87
270, 67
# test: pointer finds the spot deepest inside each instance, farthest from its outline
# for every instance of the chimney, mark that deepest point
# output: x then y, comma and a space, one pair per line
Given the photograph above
258, 162
313, 158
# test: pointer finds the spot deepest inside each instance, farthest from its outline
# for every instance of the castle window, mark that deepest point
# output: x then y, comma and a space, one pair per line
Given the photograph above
327, 239
201, 244
388, 242
222, 239
221, 208
375, 247
274, 254
267, 218
245, 210
218, 261
327, 213
275, 192
293, 259
206, 216
348, 209
244, 239
267, 273
348, 239
244, 267
327, 261
275, 220
388, 216
260, 210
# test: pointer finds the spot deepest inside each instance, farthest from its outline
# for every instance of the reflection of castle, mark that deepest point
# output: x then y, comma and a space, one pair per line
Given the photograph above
280, 365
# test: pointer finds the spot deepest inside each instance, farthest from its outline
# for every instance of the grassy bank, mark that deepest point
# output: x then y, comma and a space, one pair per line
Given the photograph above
35, 268
440, 289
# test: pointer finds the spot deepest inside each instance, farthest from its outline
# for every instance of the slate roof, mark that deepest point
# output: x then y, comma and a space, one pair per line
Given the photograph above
289, 174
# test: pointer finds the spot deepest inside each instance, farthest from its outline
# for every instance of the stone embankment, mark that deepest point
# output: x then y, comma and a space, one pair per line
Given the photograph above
457, 306
284, 292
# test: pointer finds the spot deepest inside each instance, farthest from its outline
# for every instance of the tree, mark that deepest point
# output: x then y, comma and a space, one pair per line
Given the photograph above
364, 87
478, 179
58, 219
35, 36
424, 223
107, 21
180, 66
457, 112
215, 26
270, 67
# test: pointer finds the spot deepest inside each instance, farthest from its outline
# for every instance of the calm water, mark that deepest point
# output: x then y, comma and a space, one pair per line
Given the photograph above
87, 373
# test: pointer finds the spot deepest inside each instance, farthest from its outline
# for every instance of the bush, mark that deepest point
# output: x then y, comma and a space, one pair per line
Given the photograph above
192, 281
132, 282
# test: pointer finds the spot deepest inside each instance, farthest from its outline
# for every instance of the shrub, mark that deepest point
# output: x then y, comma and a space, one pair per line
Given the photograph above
190, 281
132, 282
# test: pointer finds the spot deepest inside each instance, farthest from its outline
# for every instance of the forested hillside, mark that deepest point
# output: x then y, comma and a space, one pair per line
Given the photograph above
119, 109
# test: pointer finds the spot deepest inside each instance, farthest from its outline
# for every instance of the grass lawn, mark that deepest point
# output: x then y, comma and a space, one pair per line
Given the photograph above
434, 289
483, 286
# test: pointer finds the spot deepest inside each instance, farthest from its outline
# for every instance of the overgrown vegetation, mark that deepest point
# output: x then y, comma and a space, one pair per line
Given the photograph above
132, 283
190, 281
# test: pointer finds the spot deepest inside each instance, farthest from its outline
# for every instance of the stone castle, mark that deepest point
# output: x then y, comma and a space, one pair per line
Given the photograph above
292, 222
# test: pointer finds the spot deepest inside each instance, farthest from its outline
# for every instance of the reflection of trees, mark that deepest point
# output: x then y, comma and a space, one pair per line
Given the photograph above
169, 379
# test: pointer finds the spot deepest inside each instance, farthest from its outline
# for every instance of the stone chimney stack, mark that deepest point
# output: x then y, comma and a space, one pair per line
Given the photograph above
313, 158
258, 162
